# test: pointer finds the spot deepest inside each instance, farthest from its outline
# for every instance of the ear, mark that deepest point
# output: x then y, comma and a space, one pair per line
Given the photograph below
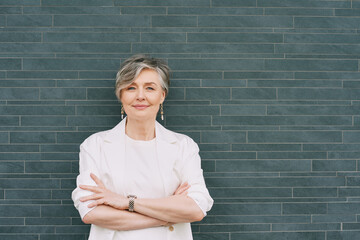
162, 96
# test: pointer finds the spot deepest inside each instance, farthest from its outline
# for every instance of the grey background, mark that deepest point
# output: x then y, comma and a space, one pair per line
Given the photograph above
268, 88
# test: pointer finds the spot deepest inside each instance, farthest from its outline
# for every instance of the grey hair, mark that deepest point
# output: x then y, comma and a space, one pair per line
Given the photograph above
131, 68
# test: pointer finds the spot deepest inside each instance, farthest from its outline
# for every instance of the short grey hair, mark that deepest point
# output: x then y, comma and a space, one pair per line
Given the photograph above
131, 68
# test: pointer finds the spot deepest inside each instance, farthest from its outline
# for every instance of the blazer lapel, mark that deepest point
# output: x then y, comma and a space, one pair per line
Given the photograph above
167, 152
114, 156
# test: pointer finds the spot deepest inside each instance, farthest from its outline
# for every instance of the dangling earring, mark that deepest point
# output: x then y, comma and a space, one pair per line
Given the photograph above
122, 112
162, 111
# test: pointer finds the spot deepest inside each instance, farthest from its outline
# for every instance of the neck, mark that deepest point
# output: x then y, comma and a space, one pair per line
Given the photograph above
140, 129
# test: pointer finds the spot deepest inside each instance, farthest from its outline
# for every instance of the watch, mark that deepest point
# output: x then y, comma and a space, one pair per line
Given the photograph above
131, 202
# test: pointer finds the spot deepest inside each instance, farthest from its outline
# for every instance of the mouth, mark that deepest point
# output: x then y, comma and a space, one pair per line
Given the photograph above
140, 106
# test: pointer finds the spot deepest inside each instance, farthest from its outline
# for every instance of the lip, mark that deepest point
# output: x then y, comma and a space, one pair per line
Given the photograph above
140, 106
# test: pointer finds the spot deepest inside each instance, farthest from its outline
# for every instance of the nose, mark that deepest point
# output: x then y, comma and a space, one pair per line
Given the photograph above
140, 94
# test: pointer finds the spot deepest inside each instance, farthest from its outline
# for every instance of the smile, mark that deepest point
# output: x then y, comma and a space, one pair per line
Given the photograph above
140, 107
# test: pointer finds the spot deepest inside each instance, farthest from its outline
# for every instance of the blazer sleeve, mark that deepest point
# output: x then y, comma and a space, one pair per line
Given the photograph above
87, 165
192, 173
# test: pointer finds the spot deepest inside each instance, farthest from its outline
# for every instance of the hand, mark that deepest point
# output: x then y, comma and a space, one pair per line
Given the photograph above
103, 196
182, 189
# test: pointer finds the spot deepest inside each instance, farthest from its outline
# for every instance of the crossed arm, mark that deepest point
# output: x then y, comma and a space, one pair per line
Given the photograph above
111, 209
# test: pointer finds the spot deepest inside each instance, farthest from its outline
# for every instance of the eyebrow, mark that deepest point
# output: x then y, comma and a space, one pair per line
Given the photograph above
147, 83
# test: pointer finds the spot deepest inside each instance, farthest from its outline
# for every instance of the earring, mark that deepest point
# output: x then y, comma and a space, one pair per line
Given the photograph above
122, 112
162, 111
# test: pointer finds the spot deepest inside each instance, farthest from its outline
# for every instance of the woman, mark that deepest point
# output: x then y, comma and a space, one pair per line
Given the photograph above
140, 180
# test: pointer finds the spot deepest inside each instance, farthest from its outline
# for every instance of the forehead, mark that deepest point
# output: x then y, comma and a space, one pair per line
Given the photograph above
147, 76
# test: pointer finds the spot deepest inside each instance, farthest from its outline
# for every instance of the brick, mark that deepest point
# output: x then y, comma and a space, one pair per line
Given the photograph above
253, 93
293, 11
343, 208
48, 167
201, 48
276, 182
19, 211
326, 22
211, 236
315, 192
333, 218
306, 3
223, 137
304, 208
11, 167
29, 20
188, 120
9, 121
313, 110
234, 228
101, 21
216, 64
28, 194
19, 2
216, 11
77, 3
143, 10
91, 37
307, 227
345, 235
319, 93
163, 37
275, 120
263, 165
10, 64
266, 147
63, 93
32, 137
43, 121
207, 93
310, 65
233, 3
246, 209
236, 37
58, 211
37, 110
47, 221
71, 10
93, 121
352, 137
349, 192
174, 21
280, 235
19, 36
250, 192
162, 3
191, 110
70, 64
294, 136
245, 21
27, 83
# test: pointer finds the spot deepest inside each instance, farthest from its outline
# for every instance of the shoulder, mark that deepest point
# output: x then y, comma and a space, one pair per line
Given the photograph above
94, 139
182, 139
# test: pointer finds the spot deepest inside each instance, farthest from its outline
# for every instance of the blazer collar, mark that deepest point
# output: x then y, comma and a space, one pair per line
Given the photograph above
117, 133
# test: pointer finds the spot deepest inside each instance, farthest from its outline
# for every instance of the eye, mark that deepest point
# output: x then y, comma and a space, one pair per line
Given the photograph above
130, 88
150, 88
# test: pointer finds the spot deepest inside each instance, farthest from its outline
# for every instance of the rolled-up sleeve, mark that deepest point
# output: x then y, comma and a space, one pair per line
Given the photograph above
193, 174
87, 165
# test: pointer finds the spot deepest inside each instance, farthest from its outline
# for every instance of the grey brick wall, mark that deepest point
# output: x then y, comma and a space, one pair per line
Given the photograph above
270, 89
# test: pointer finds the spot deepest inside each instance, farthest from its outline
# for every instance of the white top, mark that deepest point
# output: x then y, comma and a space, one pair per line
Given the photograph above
144, 182
177, 161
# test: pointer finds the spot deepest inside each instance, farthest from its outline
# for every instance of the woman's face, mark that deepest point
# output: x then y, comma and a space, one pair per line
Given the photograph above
142, 98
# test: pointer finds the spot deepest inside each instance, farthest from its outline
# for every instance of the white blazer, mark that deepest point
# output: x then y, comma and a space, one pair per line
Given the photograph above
103, 154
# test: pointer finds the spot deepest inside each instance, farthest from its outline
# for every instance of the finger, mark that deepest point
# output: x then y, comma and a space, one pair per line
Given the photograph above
95, 203
94, 189
91, 197
96, 180
184, 189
